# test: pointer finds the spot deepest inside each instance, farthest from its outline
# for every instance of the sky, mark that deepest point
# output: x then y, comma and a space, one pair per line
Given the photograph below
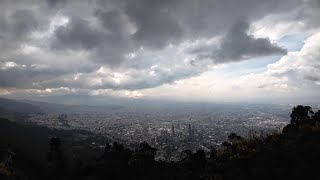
205, 50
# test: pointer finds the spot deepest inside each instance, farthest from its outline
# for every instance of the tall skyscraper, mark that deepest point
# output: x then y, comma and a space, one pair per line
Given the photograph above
172, 130
190, 136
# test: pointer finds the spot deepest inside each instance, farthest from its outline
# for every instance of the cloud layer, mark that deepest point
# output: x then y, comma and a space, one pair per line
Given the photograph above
133, 45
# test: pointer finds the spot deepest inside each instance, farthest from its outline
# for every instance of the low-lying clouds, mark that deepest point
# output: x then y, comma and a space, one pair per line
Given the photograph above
134, 45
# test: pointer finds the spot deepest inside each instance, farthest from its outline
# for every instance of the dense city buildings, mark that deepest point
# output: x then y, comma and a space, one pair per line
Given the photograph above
172, 130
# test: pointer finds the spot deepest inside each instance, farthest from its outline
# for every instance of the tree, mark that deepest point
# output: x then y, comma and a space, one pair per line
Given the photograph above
316, 116
233, 137
186, 154
301, 114
147, 150
56, 159
213, 152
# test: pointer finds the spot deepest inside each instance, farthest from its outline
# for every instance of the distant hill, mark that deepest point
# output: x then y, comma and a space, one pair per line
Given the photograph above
30, 143
64, 108
38, 107
16, 106
30, 139
33, 140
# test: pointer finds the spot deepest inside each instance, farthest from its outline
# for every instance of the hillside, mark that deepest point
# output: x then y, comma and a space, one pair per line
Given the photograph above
10, 105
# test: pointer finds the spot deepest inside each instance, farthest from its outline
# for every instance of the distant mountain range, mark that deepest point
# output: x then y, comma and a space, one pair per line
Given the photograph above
37, 107
16, 106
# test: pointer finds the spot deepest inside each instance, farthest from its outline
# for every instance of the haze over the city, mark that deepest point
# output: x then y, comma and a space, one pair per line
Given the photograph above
249, 50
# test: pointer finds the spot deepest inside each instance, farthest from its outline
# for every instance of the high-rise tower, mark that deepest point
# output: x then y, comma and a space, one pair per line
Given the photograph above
172, 130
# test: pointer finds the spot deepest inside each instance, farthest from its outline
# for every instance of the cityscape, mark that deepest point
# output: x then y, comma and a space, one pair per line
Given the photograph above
174, 129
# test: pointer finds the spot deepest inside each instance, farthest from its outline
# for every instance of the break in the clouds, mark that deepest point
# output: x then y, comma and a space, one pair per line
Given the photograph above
132, 45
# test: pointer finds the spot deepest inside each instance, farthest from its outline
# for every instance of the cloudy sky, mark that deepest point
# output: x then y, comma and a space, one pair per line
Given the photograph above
212, 50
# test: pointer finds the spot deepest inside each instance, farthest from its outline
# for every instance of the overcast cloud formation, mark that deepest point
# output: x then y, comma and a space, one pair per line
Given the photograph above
92, 46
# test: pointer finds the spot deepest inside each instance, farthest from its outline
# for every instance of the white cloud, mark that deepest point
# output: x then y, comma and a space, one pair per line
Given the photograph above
296, 74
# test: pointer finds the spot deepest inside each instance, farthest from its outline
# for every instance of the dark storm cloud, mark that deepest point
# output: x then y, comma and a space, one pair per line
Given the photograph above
55, 3
78, 35
238, 45
23, 22
18, 21
148, 24
117, 39
159, 23
156, 22
107, 44
17, 25
113, 21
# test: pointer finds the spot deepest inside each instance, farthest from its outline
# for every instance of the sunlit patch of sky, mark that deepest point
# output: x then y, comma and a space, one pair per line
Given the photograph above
293, 42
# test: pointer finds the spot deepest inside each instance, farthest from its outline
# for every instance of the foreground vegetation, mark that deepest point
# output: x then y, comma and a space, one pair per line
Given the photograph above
292, 154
